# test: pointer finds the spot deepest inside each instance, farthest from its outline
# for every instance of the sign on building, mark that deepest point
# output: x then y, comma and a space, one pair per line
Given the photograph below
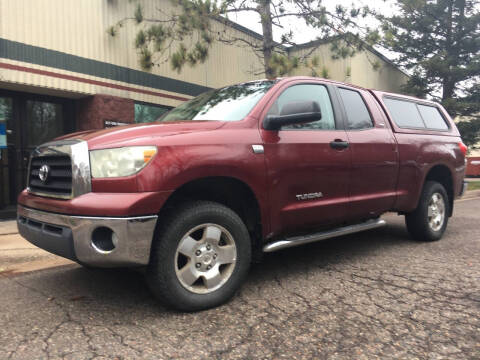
112, 123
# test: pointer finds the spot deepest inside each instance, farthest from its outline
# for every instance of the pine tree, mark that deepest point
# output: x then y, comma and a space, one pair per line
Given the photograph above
439, 42
185, 36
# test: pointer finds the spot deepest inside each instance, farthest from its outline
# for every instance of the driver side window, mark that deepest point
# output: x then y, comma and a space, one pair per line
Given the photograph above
307, 92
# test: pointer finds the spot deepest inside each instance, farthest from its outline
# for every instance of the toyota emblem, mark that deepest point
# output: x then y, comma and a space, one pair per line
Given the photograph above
43, 173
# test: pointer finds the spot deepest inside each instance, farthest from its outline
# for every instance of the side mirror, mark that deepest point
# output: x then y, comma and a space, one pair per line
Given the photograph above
299, 112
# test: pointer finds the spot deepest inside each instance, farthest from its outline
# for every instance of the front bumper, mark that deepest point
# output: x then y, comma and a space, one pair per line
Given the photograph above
70, 236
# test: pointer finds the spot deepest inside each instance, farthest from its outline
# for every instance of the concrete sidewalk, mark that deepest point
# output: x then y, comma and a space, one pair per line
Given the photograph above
470, 194
8, 227
18, 255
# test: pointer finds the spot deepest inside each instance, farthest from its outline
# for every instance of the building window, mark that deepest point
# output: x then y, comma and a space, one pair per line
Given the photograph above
145, 113
44, 122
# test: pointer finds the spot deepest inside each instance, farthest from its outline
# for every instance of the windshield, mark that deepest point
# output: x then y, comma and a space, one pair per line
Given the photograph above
230, 103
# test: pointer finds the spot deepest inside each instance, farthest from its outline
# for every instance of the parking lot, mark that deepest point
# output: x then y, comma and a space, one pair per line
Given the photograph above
371, 295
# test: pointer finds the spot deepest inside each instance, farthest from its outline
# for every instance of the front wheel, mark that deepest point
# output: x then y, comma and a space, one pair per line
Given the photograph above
429, 220
200, 257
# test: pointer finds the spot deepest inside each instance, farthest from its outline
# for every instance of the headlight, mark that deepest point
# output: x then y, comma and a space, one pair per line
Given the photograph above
120, 161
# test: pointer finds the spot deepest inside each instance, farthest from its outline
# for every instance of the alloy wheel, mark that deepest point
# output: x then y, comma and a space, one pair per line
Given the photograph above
436, 211
205, 258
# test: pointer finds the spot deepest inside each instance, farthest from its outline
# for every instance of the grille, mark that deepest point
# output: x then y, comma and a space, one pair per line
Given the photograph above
59, 180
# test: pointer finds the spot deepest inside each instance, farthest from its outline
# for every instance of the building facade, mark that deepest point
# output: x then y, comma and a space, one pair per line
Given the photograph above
60, 71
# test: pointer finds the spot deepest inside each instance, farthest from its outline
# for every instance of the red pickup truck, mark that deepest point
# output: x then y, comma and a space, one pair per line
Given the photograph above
235, 172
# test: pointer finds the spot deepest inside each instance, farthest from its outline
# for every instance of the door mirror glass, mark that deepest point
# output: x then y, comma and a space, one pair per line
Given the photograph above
298, 112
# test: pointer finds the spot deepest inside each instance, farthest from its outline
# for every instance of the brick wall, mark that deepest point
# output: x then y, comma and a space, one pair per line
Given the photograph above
93, 111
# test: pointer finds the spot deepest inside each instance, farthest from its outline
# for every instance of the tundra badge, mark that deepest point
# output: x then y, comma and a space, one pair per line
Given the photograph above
309, 196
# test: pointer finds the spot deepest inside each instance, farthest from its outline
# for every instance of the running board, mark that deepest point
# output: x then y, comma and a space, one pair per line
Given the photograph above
301, 240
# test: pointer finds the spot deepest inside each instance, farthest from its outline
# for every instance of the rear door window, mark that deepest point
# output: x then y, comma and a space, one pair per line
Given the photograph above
358, 116
404, 113
432, 117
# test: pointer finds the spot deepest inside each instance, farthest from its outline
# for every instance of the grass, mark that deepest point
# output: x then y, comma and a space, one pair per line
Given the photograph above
473, 185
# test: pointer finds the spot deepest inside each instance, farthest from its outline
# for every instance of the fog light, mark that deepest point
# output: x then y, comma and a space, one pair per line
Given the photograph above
104, 240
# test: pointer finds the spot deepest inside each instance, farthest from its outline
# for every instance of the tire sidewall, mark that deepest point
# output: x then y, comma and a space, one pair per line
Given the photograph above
430, 189
162, 265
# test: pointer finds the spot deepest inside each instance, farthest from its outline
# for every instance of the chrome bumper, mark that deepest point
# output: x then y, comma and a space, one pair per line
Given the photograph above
71, 236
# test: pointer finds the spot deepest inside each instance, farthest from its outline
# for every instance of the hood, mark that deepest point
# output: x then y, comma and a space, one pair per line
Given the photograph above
139, 134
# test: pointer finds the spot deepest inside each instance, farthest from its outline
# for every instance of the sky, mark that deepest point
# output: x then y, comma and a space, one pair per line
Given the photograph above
303, 33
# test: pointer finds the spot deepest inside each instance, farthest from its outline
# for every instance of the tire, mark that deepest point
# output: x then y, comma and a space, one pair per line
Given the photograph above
421, 225
188, 247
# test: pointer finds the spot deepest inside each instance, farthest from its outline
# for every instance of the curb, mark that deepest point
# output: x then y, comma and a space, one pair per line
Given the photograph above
471, 194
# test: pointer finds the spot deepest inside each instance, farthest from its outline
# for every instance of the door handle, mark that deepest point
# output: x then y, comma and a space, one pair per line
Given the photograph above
339, 144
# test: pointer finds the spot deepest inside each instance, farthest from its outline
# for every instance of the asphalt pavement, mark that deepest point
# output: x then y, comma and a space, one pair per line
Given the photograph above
371, 295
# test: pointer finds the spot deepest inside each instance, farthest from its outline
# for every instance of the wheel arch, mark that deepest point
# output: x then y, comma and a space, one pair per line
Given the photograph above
442, 174
229, 191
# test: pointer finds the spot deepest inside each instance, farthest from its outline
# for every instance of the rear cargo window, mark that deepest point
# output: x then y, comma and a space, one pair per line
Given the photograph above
404, 113
432, 117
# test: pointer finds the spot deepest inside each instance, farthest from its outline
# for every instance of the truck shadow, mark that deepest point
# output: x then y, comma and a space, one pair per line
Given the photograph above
92, 290
340, 249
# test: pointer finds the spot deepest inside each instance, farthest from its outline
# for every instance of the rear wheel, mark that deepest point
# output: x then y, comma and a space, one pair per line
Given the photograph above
200, 257
429, 220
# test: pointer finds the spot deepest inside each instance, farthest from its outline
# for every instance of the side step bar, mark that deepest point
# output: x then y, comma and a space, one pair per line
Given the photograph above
301, 240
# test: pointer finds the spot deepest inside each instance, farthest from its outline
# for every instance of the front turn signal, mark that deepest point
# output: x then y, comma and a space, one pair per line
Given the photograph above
148, 155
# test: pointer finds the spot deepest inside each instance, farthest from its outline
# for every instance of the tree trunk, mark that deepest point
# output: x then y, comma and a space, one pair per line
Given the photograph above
267, 28
448, 85
448, 88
